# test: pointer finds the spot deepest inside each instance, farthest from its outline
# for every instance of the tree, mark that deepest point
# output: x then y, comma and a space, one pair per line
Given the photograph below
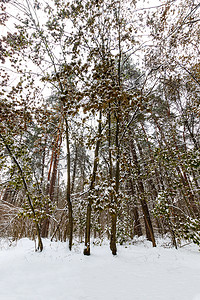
140, 121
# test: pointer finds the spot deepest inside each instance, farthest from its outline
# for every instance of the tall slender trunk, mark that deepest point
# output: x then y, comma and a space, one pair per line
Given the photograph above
92, 183
137, 224
154, 192
68, 196
113, 246
147, 219
51, 186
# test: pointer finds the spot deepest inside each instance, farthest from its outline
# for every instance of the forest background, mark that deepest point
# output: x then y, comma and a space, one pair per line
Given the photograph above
99, 121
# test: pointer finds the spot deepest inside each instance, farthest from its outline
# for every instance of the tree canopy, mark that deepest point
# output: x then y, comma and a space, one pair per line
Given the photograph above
99, 120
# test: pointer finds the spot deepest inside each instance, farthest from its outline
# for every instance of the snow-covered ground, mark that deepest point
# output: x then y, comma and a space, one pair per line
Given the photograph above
138, 272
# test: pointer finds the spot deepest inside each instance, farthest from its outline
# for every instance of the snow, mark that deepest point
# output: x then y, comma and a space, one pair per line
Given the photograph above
138, 272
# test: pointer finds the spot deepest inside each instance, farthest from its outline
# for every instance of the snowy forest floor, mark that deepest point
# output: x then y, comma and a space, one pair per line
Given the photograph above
138, 272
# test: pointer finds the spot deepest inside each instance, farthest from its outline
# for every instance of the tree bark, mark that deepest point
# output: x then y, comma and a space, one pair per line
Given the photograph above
145, 210
68, 196
137, 224
113, 240
51, 186
92, 183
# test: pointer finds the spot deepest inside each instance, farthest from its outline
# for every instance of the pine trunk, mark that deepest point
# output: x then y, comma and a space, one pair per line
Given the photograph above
145, 210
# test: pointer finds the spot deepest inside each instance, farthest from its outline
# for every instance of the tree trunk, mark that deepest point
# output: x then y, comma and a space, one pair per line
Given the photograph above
145, 210
137, 224
92, 183
69, 203
113, 240
88, 228
51, 187
113, 246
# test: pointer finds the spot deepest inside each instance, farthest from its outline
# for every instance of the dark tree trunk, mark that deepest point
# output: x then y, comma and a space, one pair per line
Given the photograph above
88, 229
113, 240
51, 187
113, 246
92, 183
145, 210
69, 203
137, 224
